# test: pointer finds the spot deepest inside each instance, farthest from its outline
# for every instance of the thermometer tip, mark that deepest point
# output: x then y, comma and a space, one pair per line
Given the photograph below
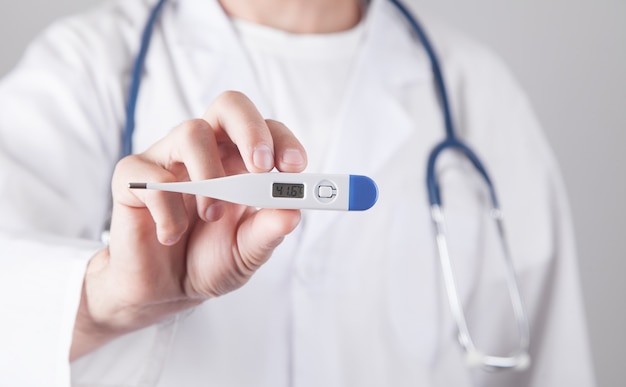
137, 185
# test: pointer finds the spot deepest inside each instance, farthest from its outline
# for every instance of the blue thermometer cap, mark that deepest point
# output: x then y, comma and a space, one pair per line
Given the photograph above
363, 193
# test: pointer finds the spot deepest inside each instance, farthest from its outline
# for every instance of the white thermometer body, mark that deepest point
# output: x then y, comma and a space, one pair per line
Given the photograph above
282, 190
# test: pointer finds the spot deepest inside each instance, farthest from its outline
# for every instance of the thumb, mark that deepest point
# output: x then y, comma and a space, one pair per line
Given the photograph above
262, 233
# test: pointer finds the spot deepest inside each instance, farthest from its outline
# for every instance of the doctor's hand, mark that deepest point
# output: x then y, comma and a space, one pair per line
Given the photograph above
169, 251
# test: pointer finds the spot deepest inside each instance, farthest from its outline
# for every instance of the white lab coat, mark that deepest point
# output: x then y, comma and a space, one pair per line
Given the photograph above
349, 299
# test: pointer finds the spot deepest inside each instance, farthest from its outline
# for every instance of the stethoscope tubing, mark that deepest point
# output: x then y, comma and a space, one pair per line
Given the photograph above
136, 77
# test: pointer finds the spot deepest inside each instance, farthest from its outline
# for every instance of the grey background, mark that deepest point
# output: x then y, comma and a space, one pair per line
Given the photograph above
570, 56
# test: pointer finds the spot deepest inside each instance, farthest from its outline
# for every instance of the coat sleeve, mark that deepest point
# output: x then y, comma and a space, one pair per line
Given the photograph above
61, 110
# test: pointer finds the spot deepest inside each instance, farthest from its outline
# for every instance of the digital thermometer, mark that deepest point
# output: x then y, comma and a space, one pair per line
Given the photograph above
282, 190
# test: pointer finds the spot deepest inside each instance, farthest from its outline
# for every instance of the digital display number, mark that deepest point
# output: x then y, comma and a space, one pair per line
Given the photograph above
288, 190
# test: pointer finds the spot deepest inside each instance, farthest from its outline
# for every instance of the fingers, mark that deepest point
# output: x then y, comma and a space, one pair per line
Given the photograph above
168, 210
191, 152
262, 144
263, 233
290, 155
234, 117
189, 149
258, 236
188, 152
231, 129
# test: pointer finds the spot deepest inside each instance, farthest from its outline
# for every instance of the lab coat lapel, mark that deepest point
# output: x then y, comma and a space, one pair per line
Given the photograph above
375, 121
210, 57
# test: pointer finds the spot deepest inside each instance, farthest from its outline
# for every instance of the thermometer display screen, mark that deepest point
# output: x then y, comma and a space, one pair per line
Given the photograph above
288, 190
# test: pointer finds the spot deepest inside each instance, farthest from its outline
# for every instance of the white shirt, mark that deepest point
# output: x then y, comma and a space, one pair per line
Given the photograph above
349, 299
310, 72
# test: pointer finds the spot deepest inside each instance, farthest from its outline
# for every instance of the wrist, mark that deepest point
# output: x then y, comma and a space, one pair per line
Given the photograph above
89, 334
107, 309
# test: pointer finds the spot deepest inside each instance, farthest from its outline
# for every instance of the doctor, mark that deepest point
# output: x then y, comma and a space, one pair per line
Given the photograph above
185, 293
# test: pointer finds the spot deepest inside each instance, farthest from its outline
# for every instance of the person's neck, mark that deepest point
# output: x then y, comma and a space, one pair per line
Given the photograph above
298, 16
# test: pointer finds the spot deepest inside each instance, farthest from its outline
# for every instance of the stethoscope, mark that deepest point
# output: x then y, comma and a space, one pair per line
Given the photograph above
519, 359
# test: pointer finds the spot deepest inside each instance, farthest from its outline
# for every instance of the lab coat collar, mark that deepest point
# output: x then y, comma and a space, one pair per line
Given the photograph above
214, 60
375, 121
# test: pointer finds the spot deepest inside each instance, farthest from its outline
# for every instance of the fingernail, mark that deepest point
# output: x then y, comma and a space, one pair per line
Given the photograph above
214, 212
293, 157
263, 158
170, 241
